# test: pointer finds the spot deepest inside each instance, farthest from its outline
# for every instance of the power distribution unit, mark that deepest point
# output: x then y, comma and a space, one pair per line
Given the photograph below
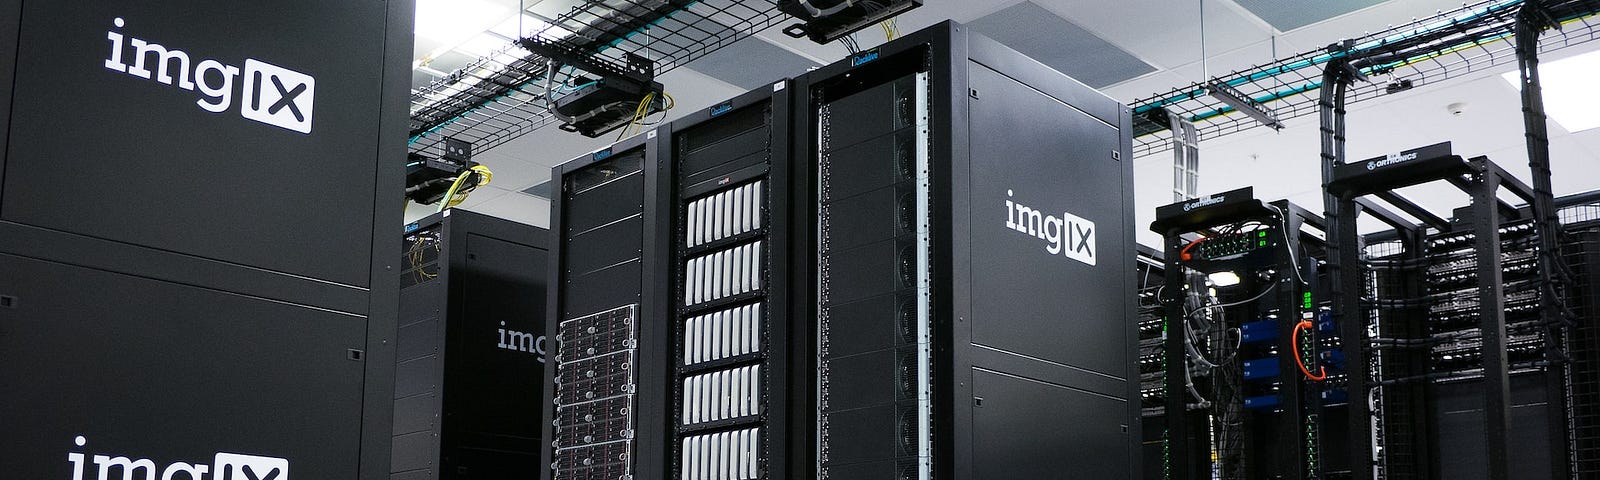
198, 202
916, 263
471, 348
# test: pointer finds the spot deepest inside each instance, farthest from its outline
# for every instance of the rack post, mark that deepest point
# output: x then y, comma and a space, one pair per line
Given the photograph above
1492, 323
1181, 462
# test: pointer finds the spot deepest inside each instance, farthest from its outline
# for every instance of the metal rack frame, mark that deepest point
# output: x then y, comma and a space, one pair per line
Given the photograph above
1481, 179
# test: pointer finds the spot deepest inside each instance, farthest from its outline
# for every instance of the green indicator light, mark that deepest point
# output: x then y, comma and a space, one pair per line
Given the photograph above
1262, 234
1263, 243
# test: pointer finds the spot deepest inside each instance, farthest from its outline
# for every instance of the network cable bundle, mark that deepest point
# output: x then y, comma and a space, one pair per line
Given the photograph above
471, 348
1256, 383
790, 284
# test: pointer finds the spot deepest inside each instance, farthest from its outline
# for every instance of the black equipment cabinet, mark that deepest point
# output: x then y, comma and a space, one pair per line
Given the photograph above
971, 264
915, 263
197, 255
606, 386
730, 255
472, 348
1254, 387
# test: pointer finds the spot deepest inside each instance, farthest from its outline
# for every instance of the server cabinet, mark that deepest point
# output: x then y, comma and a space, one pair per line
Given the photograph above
1255, 387
607, 383
691, 214
197, 211
915, 263
730, 255
472, 348
971, 264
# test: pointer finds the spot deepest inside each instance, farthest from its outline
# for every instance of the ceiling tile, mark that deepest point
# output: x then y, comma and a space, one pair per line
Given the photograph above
1368, 20
1144, 86
752, 63
511, 173
1223, 63
1061, 44
1289, 15
517, 207
1164, 33
542, 190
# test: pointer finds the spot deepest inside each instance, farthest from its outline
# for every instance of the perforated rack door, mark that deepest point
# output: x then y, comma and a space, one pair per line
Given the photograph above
874, 330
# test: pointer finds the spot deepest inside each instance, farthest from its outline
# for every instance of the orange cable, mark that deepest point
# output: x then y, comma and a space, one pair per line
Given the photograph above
1322, 372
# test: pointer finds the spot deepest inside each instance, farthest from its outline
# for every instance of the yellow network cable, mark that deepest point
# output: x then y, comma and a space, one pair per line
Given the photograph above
453, 196
636, 124
638, 114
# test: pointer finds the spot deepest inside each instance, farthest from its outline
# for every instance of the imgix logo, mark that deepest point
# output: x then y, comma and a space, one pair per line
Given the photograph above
1391, 159
272, 94
521, 342
224, 466
1068, 235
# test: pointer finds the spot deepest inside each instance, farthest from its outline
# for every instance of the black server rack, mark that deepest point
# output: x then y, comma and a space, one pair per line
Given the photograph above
471, 348
682, 229
1468, 379
730, 254
197, 257
1580, 218
1430, 392
1455, 358
915, 263
607, 391
970, 264
1255, 382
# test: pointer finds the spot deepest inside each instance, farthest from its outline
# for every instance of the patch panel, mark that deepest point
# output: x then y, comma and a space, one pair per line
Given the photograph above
1230, 245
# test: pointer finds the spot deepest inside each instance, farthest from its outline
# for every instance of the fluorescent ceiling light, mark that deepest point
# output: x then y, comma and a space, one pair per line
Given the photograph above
451, 22
1224, 279
1571, 97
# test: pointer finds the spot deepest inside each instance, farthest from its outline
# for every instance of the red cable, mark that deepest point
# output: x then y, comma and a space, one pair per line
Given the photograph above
1295, 342
1184, 254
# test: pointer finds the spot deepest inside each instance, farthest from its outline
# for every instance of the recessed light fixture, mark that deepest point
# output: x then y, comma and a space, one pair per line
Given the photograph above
1569, 94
